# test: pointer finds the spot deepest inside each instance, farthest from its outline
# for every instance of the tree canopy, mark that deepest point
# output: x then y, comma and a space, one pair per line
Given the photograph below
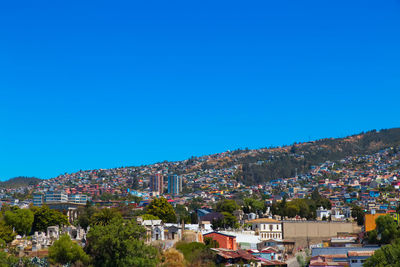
227, 221
388, 255
85, 216
149, 217
21, 220
197, 254
305, 208
6, 232
253, 205
160, 208
386, 231
358, 214
227, 205
64, 251
105, 216
45, 217
120, 243
182, 213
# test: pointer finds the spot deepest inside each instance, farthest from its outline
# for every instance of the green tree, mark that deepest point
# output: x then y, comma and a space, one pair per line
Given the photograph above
358, 214
386, 231
6, 232
230, 220
227, 221
7, 260
388, 255
196, 203
315, 195
196, 254
217, 224
21, 220
45, 217
193, 218
211, 243
253, 205
182, 214
301, 261
120, 243
105, 216
149, 217
292, 210
227, 205
85, 216
64, 251
162, 209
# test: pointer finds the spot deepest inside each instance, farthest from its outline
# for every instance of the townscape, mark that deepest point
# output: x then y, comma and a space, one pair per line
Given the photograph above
200, 212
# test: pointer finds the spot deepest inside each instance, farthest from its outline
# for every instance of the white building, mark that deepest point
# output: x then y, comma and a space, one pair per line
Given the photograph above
321, 213
51, 197
267, 228
78, 198
155, 230
55, 197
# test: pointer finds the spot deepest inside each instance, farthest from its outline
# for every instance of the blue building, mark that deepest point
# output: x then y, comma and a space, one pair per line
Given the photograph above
374, 193
174, 184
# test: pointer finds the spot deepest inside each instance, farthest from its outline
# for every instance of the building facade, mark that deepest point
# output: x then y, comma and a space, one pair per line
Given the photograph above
38, 199
174, 184
267, 228
157, 183
54, 197
225, 241
78, 199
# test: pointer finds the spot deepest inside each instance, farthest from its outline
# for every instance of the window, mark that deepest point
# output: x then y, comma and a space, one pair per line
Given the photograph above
353, 261
271, 227
362, 261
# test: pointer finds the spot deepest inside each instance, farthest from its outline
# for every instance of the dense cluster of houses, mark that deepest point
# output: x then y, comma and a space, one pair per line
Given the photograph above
369, 181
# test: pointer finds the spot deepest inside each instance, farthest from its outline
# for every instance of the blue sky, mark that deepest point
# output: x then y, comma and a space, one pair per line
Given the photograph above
96, 84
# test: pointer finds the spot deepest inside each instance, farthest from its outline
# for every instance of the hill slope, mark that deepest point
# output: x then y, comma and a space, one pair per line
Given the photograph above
20, 182
298, 158
257, 166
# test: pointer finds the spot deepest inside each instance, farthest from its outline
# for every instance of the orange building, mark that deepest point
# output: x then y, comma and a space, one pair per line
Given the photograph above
370, 221
224, 241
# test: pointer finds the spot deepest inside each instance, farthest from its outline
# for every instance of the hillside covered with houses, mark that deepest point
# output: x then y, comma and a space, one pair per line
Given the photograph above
267, 205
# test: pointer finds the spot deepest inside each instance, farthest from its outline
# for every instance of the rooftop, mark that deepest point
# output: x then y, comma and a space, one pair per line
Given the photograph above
264, 220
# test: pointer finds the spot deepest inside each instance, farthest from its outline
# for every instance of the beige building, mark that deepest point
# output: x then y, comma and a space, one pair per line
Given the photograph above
267, 228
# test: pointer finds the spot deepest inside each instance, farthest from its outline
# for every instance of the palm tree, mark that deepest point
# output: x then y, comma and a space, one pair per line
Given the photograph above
104, 216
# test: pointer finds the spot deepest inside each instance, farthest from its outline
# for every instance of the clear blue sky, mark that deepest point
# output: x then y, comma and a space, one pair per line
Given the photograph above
96, 84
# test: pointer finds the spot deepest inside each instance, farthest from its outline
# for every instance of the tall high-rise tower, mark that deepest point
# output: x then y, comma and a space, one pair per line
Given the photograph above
174, 184
157, 183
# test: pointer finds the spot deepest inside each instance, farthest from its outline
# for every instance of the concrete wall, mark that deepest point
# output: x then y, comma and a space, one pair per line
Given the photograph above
306, 233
